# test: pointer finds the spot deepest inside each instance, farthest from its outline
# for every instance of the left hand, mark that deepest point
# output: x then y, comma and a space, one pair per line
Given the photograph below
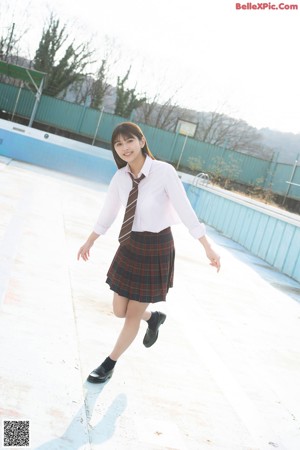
214, 258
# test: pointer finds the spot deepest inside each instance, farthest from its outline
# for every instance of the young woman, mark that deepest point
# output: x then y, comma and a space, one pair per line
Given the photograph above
142, 269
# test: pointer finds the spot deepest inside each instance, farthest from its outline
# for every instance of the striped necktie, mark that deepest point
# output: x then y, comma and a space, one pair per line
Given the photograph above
130, 210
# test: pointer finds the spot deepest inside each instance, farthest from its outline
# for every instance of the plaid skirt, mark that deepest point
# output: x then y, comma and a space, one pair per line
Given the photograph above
143, 268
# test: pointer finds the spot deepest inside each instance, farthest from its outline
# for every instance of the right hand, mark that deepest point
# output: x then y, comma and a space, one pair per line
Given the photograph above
84, 251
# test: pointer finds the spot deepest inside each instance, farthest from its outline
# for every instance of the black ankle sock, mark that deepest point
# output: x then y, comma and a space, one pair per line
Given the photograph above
152, 321
108, 364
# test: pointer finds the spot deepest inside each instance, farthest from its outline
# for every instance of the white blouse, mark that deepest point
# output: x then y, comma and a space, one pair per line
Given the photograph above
162, 200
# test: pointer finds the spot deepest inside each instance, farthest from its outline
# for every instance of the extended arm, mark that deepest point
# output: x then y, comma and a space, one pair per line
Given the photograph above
210, 253
106, 217
84, 251
181, 203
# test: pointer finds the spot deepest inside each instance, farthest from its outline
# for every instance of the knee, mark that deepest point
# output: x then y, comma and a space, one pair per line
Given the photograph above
119, 312
132, 318
120, 305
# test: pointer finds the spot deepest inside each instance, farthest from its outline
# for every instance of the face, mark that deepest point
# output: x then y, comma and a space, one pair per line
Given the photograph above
129, 148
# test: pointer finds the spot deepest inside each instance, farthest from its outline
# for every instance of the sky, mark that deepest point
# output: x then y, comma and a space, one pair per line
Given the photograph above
241, 62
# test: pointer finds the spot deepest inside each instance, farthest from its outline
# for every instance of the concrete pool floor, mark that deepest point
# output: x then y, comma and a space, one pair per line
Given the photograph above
224, 374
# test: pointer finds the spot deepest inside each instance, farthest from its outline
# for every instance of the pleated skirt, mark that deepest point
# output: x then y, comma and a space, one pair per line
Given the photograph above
143, 268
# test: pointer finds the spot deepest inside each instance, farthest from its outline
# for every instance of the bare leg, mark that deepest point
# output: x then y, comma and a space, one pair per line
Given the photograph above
146, 316
134, 314
120, 307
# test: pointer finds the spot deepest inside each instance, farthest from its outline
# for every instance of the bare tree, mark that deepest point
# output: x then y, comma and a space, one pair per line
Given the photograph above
11, 34
235, 134
79, 91
96, 89
160, 108
158, 114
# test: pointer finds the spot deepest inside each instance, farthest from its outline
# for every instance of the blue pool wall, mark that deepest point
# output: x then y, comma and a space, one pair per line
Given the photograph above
56, 152
269, 233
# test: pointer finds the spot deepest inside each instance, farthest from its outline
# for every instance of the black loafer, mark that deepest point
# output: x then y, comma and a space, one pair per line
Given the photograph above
100, 375
152, 335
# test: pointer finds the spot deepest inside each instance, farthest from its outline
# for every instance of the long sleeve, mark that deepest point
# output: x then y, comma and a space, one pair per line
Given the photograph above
110, 208
177, 195
162, 201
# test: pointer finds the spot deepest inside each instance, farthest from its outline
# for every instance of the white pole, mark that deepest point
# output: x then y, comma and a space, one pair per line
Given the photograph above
17, 101
186, 136
37, 99
291, 179
98, 124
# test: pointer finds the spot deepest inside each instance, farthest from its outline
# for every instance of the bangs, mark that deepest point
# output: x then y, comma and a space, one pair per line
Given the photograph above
126, 130
122, 134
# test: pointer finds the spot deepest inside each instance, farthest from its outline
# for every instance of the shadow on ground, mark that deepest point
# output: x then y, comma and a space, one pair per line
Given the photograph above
80, 431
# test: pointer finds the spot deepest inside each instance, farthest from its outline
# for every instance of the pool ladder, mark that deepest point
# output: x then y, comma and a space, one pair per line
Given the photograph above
201, 179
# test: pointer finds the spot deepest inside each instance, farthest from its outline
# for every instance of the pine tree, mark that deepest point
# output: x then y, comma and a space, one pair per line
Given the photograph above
127, 99
65, 71
99, 87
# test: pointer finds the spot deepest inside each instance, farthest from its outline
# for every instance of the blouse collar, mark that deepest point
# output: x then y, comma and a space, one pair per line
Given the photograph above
145, 169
